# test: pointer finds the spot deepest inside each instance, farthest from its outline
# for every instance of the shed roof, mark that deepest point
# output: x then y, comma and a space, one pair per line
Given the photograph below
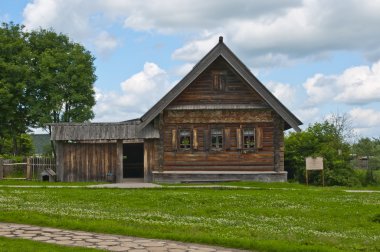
100, 131
221, 50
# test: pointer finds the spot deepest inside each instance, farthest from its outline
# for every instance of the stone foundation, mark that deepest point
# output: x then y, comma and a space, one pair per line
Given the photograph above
215, 176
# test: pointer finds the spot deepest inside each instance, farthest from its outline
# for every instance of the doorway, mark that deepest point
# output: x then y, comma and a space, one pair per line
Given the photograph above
133, 160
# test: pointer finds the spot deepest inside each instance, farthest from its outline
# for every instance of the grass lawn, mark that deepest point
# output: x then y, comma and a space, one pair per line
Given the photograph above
17, 245
264, 218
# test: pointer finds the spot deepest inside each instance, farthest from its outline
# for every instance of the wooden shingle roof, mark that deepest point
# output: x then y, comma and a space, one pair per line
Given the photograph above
221, 50
102, 131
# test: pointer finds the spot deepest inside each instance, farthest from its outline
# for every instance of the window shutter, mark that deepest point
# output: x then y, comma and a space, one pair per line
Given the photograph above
239, 139
206, 136
227, 141
259, 138
195, 139
174, 139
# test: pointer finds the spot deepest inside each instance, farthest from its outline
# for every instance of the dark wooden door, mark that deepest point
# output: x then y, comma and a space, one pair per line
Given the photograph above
133, 160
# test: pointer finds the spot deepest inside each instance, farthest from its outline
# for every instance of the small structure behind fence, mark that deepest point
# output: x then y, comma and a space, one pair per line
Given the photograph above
30, 168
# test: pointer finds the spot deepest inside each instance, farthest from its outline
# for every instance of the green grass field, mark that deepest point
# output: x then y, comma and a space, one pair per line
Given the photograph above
267, 217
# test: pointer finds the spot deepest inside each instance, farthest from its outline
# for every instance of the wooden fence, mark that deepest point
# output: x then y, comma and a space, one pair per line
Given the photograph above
29, 168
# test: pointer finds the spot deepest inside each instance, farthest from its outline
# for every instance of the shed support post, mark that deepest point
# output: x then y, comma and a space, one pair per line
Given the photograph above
1, 168
119, 161
59, 145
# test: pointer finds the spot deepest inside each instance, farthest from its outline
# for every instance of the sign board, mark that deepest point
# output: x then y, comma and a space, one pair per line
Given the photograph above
314, 163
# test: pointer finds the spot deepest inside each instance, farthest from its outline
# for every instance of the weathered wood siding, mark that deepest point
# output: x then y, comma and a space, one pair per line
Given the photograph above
268, 156
235, 91
86, 161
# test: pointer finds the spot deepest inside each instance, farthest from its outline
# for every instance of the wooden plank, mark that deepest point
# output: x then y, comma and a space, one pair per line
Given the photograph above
206, 139
239, 139
259, 138
195, 139
227, 139
174, 139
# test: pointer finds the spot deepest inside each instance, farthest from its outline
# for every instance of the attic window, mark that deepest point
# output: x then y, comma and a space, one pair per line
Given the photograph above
218, 80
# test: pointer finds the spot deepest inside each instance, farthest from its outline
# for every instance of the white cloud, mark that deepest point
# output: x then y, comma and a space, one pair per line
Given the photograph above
195, 50
356, 85
139, 93
296, 31
40, 13
82, 20
366, 121
184, 69
105, 43
70, 17
360, 85
320, 88
265, 32
146, 81
308, 115
284, 92
363, 117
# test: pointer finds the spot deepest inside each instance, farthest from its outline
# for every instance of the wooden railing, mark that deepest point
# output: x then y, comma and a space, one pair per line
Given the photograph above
30, 168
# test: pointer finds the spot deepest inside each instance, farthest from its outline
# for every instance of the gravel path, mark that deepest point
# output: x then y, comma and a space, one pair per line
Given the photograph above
100, 241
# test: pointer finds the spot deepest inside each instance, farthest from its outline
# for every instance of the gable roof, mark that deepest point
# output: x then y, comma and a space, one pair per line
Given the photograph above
221, 50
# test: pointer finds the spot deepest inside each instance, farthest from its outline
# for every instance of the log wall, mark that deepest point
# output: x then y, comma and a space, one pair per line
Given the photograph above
232, 157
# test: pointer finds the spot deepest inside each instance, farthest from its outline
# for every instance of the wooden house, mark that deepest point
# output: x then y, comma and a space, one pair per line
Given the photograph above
219, 123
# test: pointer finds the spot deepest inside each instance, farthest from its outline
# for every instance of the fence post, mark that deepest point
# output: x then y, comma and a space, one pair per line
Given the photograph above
28, 168
1, 168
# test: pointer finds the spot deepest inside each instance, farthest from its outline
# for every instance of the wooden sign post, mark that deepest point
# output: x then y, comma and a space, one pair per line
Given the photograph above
314, 164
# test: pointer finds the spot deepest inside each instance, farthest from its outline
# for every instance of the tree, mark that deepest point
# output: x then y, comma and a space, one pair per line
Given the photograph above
14, 73
44, 78
63, 79
320, 139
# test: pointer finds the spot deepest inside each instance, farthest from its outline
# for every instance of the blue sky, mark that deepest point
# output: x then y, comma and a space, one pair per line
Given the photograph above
318, 57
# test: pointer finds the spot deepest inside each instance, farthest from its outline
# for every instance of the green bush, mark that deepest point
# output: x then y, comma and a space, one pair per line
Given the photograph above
366, 177
342, 177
